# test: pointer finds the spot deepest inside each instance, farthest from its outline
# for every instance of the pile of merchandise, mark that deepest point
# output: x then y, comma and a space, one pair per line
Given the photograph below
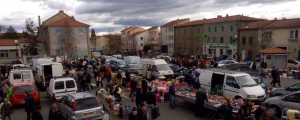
110, 101
188, 93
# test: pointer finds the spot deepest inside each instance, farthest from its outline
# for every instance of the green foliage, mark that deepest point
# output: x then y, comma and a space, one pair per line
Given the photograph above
148, 47
93, 33
11, 33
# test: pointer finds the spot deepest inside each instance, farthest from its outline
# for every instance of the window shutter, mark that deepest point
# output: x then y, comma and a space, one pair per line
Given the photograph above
296, 33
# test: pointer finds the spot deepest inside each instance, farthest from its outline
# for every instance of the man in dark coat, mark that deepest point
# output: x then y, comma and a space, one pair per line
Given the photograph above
142, 113
263, 64
223, 110
133, 85
200, 98
172, 94
144, 87
54, 114
29, 104
274, 74
37, 114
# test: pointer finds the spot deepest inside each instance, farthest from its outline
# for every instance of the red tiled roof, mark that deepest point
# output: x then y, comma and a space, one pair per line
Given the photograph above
11, 42
129, 28
139, 32
274, 50
220, 19
70, 21
174, 22
274, 23
152, 27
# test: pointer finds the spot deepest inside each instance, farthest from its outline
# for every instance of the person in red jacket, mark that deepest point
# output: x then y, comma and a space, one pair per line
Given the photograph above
108, 74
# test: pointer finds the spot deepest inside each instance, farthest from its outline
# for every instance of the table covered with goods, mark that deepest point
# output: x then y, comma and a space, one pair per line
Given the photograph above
214, 101
291, 73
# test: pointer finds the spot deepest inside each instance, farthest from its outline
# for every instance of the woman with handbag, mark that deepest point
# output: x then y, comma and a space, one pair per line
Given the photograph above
99, 79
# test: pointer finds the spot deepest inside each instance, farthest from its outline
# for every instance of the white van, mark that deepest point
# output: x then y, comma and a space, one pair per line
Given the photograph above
17, 66
159, 66
39, 61
20, 75
117, 56
60, 86
132, 59
45, 71
231, 84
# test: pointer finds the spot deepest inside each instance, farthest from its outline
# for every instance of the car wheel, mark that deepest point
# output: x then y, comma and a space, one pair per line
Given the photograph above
277, 110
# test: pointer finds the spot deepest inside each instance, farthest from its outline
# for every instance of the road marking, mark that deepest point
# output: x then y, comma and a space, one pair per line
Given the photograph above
126, 97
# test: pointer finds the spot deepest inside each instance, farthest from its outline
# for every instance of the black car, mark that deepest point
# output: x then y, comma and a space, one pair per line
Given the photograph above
176, 69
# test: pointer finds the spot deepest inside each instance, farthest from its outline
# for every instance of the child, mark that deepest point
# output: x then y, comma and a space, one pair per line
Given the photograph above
99, 79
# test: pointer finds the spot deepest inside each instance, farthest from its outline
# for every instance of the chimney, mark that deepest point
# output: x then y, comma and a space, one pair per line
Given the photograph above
275, 18
126, 27
219, 16
73, 17
177, 21
283, 18
204, 18
227, 17
61, 11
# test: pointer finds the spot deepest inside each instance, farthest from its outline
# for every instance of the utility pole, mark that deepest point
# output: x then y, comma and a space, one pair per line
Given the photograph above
41, 33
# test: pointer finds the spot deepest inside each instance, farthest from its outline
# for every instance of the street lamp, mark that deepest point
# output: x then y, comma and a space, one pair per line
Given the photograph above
16, 42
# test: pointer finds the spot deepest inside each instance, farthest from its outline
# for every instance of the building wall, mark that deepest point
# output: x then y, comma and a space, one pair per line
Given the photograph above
56, 17
248, 47
188, 40
128, 33
81, 41
140, 42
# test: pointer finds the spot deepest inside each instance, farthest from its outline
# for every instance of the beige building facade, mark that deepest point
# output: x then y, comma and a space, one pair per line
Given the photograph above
126, 37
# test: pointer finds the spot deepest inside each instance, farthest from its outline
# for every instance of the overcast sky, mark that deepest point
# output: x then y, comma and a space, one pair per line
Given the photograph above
104, 14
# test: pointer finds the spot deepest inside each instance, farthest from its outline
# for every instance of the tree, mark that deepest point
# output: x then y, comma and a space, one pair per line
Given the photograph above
147, 47
93, 34
30, 35
11, 33
2, 29
114, 40
67, 44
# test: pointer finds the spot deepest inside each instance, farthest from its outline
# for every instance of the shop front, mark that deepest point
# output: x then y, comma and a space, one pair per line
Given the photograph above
219, 49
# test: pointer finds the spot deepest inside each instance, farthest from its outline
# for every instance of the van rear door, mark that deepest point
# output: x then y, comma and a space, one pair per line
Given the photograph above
59, 89
27, 76
205, 79
70, 86
57, 70
16, 77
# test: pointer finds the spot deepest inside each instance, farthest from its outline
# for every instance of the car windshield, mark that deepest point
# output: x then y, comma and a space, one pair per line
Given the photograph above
121, 63
246, 80
222, 62
175, 67
84, 104
163, 67
23, 89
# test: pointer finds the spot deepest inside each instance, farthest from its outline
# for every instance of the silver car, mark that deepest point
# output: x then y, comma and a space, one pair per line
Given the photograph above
133, 68
80, 106
285, 90
278, 103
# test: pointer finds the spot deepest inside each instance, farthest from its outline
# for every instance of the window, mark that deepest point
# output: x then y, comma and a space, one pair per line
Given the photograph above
59, 85
231, 28
208, 29
23, 89
215, 29
249, 54
221, 40
57, 32
198, 30
184, 31
268, 35
17, 76
3, 53
179, 31
142, 44
294, 34
246, 80
214, 40
84, 104
80, 32
26, 75
293, 98
222, 28
70, 84
295, 87
250, 40
142, 38
231, 41
244, 41
230, 81
207, 40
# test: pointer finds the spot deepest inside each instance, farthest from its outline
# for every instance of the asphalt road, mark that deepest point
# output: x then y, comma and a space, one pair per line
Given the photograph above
166, 112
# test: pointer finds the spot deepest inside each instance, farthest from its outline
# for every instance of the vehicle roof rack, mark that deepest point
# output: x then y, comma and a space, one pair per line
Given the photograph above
223, 71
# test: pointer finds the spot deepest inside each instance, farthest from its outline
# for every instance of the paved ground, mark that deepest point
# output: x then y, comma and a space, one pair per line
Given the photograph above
166, 112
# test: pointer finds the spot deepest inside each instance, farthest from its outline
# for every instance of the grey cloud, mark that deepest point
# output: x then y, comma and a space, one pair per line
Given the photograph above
250, 1
105, 29
138, 22
56, 5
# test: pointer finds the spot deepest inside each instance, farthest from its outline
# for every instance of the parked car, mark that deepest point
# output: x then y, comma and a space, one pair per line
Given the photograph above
285, 90
223, 57
133, 68
278, 103
176, 69
226, 63
20, 75
80, 106
260, 81
18, 66
18, 94
117, 64
293, 63
60, 86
